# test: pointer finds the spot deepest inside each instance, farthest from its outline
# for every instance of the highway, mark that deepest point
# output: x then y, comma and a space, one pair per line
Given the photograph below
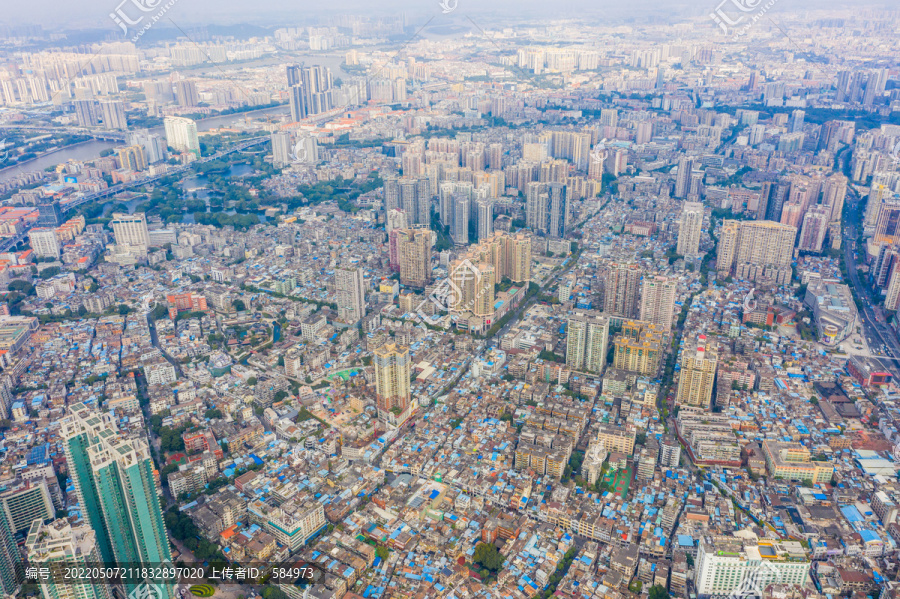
874, 326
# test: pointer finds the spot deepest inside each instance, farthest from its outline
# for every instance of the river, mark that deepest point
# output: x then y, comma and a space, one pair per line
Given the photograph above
89, 150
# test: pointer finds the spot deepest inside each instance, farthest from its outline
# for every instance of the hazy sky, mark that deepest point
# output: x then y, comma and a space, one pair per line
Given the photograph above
94, 14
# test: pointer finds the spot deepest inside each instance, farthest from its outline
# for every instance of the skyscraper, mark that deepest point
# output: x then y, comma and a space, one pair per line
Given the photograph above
131, 230
621, 285
689, 229
815, 224
683, 177
587, 334
558, 217
11, 566
459, 227
698, 373
117, 493
113, 114
351, 294
414, 251
70, 546
485, 218
86, 113
181, 134
475, 282
658, 300
310, 90
392, 383
281, 148
186, 93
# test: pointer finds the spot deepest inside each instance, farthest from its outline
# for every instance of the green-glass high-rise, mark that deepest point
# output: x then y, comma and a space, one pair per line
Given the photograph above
113, 477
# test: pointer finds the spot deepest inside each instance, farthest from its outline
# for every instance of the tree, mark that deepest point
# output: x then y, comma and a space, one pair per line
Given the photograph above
23, 287
658, 591
487, 556
251, 381
213, 413
123, 309
382, 552
238, 305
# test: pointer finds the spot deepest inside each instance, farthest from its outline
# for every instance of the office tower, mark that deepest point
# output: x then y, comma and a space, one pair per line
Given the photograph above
281, 148
587, 334
796, 124
181, 134
395, 219
698, 375
683, 177
186, 93
154, 145
60, 543
658, 300
351, 294
815, 225
621, 286
44, 243
392, 383
558, 218
131, 230
459, 227
113, 114
756, 250
49, 214
689, 230
485, 218
117, 493
638, 347
86, 113
742, 567
414, 251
